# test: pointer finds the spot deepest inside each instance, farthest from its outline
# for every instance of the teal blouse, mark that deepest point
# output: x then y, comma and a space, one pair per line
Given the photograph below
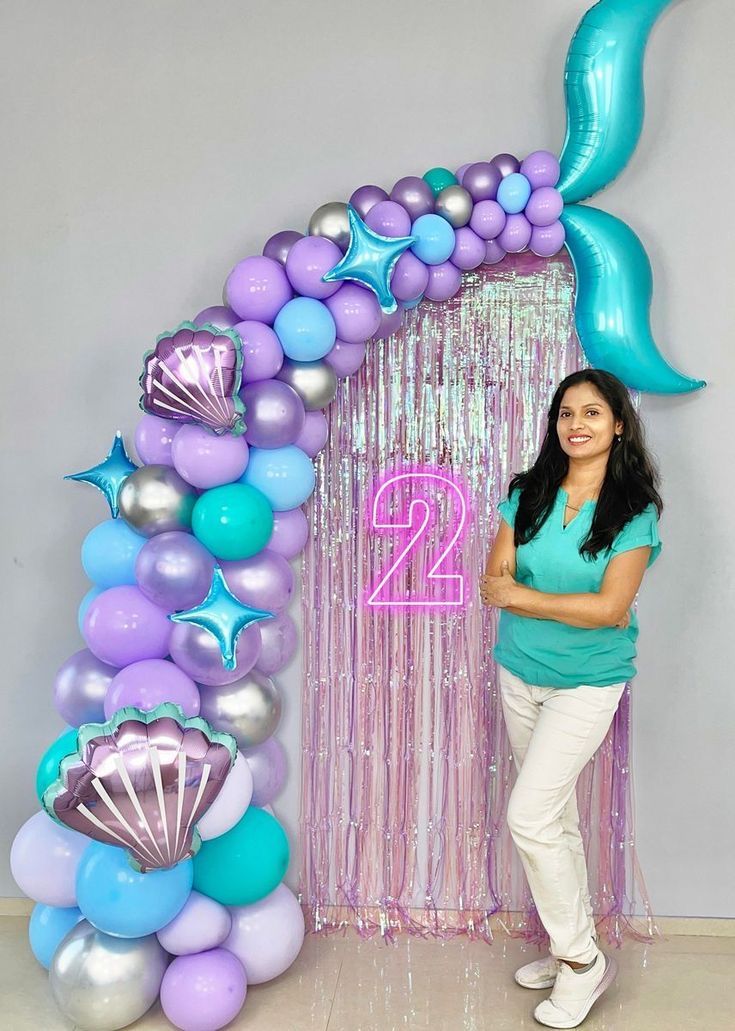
552, 654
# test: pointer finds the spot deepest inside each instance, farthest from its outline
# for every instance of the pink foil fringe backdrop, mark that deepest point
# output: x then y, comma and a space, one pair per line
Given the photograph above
407, 768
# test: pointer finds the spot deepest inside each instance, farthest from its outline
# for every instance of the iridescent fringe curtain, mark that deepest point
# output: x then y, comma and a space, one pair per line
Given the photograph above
406, 766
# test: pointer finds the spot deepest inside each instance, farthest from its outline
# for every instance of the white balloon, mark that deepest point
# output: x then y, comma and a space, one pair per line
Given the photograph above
230, 804
267, 935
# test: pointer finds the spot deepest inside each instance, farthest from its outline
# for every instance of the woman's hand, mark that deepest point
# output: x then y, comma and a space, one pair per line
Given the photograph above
500, 591
625, 621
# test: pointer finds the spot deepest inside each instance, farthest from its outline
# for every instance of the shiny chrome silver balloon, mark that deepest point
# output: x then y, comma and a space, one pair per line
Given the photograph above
315, 382
454, 203
155, 499
101, 982
249, 708
331, 220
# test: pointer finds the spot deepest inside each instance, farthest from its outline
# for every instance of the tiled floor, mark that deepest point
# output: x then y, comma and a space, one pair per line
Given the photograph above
346, 984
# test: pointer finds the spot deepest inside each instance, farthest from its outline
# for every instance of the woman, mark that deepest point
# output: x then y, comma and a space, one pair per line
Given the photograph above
579, 530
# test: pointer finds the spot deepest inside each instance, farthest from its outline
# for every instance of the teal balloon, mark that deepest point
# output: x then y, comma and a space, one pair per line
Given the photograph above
234, 521
244, 864
613, 297
48, 926
48, 768
603, 85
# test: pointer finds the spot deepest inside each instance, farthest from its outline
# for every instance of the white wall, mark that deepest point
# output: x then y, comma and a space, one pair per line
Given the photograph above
147, 147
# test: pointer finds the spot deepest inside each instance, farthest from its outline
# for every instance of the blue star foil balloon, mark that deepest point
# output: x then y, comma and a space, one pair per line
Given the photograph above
370, 260
108, 476
223, 615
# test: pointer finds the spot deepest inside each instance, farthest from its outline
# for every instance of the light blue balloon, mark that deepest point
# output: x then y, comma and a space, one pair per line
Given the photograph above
109, 552
86, 601
306, 329
284, 474
603, 85
513, 193
48, 926
434, 239
613, 297
118, 900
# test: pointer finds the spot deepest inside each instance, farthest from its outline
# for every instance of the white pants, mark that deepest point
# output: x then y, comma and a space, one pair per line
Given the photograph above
553, 733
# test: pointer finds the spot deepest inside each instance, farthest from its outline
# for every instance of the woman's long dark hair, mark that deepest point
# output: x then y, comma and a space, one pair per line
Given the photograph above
630, 480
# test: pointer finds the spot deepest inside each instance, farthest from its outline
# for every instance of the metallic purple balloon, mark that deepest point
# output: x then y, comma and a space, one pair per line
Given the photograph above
415, 195
308, 260
265, 581
257, 288
279, 640
262, 354
274, 412
506, 163
278, 246
461, 171
193, 375
196, 651
80, 687
174, 571
481, 180
345, 358
290, 534
218, 315
314, 432
153, 439
365, 197
141, 781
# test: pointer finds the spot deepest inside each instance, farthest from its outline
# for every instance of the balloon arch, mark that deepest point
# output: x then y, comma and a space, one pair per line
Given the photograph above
170, 763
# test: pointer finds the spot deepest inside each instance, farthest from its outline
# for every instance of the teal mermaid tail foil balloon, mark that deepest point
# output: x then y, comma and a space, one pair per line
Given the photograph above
614, 286
604, 94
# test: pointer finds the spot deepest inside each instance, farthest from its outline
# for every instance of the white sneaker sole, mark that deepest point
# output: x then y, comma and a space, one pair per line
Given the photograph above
547, 983
611, 971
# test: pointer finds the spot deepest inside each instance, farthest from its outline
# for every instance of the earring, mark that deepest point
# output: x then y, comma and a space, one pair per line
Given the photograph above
619, 439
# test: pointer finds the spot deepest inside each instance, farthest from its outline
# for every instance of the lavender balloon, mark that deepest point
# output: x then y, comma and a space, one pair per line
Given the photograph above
196, 651
469, 249
481, 180
206, 460
202, 924
147, 684
218, 315
388, 218
153, 439
230, 805
261, 350
314, 432
204, 992
268, 765
123, 626
410, 277
309, 259
488, 219
279, 245
356, 312
274, 411
44, 859
265, 581
290, 534
444, 281
267, 935
366, 197
415, 195
174, 571
257, 288
279, 639
516, 234
547, 240
389, 324
544, 206
345, 359
80, 687
493, 253
541, 169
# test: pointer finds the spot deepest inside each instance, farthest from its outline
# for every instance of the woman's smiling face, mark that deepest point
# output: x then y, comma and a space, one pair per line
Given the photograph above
585, 424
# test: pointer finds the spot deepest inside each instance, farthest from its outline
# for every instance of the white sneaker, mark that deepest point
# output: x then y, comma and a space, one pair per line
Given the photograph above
541, 973
574, 995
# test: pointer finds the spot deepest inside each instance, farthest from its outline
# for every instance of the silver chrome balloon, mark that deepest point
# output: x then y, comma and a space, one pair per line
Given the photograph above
155, 499
249, 708
101, 982
331, 220
315, 382
454, 203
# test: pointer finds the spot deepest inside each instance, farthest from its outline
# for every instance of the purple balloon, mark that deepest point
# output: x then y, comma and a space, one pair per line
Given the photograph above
541, 169
308, 260
388, 218
279, 245
415, 195
487, 219
516, 234
196, 651
174, 570
461, 171
267, 935
268, 766
123, 626
218, 315
355, 311
290, 533
506, 164
366, 197
493, 253
481, 180
409, 278
314, 432
389, 324
265, 581
279, 640
547, 240
80, 686
151, 682
345, 358
544, 206
257, 288
274, 412
205, 991
444, 281
44, 860
153, 439
469, 249
206, 460
262, 354
202, 924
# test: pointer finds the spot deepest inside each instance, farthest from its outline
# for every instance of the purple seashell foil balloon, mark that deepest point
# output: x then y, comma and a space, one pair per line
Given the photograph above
193, 375
141, 781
